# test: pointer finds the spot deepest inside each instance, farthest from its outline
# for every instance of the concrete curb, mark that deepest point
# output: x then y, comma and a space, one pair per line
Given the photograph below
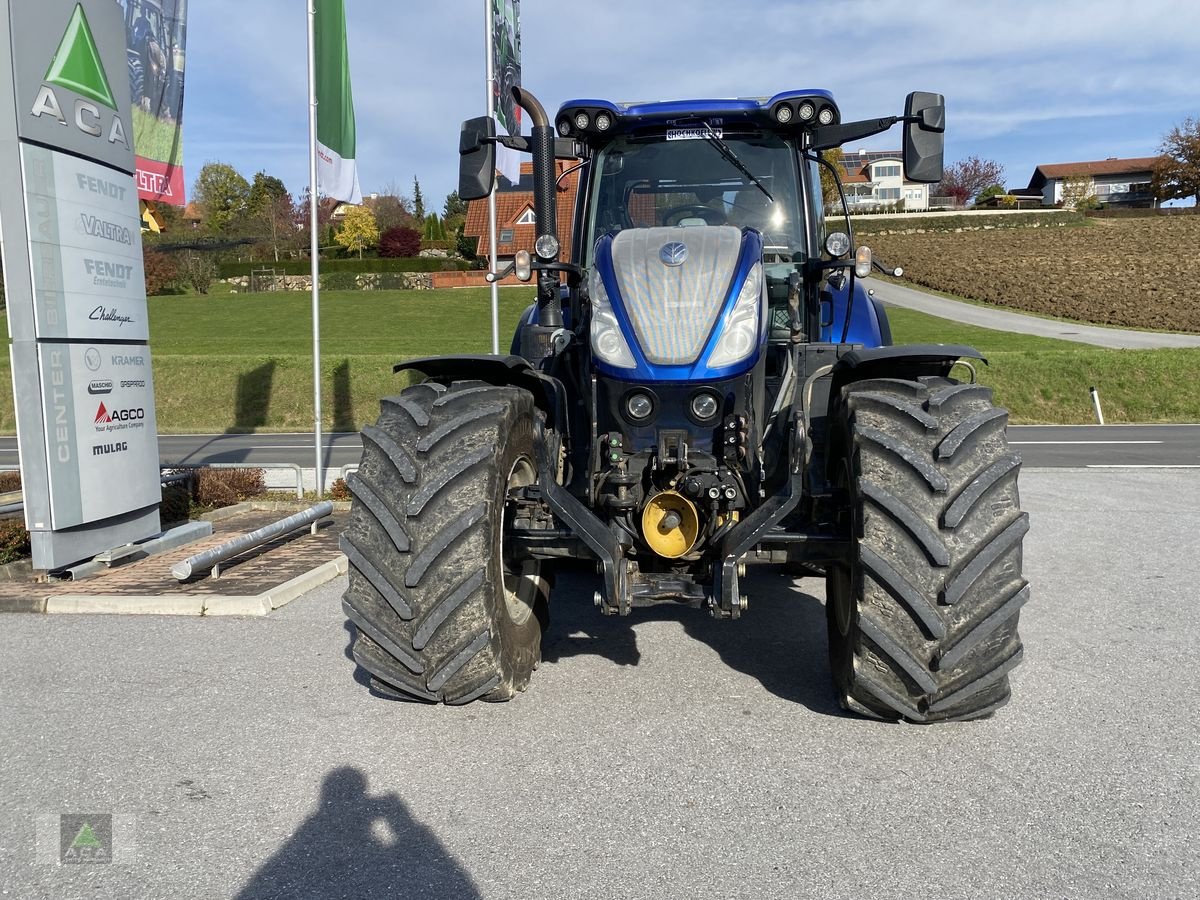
193, 604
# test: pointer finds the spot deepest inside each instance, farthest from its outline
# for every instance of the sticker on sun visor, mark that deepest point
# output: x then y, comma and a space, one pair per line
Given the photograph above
692, 134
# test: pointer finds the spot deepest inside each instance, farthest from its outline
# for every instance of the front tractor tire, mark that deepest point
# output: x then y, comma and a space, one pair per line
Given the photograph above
439, 614
922, 618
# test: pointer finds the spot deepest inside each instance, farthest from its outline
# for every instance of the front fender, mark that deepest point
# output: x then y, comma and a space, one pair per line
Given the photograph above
503, 371
899, 361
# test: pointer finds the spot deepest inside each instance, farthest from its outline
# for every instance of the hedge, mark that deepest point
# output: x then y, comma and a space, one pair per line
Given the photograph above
972, 221
355, 266
1141, 213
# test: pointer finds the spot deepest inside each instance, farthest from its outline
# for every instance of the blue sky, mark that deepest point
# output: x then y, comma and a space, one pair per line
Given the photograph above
1025, 83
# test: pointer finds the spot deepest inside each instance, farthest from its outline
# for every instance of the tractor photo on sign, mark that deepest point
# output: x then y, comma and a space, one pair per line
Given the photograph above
708, 385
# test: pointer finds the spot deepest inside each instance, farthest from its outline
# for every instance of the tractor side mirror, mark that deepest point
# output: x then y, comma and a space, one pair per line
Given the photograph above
924, 136
477, 158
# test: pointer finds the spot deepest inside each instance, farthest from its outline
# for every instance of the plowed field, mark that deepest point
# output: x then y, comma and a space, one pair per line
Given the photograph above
1137, 273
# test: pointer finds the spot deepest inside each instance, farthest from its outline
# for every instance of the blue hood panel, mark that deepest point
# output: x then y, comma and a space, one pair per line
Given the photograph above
646, 371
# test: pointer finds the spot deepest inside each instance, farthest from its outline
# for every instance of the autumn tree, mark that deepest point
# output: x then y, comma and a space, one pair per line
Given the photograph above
359, 230
966, 179
400, 241
1176, 174
829, 184
223, 197
391, 210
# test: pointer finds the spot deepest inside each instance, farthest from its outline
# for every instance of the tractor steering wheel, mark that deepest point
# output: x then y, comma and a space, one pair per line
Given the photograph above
711, 216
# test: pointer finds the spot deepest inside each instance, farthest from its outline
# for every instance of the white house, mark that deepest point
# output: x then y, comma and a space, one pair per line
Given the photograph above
1115, 182
875, 178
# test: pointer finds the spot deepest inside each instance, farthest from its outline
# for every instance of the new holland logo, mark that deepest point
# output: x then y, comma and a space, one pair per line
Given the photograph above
77, 67
673, 254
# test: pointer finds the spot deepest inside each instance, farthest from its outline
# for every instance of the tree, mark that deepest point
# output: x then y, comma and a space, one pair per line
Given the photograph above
965, 179
829, 186
401, 241
223, 197
454, 213
995, 190
418, 200
278, 222
1176, 174
359, 230
265, 190
433, 230
1079, 193
391, 211
161, 271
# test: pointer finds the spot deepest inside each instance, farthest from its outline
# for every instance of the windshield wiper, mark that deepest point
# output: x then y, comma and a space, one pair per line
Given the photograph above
723, 148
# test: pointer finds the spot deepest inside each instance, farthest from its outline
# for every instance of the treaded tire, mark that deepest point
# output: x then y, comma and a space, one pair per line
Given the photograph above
428, 595
923, 622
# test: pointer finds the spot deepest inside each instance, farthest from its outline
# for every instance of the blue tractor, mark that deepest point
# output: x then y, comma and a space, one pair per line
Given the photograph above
706, 385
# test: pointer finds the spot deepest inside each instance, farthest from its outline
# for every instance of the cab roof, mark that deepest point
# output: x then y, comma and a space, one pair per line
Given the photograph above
625, 117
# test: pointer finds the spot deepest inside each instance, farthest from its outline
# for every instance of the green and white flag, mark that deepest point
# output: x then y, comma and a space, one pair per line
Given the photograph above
337, 172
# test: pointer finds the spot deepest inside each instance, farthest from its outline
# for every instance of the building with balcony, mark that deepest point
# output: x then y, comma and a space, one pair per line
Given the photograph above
875, 180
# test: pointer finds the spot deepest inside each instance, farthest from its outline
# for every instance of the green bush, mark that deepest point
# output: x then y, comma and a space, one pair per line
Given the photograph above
354, 266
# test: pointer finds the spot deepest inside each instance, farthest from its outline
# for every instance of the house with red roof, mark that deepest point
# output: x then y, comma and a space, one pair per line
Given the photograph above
1113, 181
516, 222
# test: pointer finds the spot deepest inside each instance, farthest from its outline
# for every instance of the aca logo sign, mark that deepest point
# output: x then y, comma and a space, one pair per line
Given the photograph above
77, 67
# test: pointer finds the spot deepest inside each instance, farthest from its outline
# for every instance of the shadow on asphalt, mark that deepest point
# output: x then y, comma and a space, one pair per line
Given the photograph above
360, 845
780, 640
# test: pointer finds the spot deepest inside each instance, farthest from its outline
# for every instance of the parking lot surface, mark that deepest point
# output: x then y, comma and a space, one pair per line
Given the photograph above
663, 755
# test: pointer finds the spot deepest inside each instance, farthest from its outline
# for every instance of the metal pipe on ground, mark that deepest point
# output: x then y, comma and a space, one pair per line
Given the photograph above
212, 558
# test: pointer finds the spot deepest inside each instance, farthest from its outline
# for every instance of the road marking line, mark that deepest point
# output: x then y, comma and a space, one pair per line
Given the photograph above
1064, 443
1147, 466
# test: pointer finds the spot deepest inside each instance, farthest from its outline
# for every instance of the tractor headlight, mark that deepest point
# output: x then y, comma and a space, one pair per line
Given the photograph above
608, 343
743, 325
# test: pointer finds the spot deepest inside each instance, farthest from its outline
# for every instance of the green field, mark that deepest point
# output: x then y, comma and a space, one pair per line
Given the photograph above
243, 362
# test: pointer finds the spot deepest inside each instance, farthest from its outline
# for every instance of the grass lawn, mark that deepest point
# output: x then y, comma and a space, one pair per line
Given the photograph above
243, 362
1043, 380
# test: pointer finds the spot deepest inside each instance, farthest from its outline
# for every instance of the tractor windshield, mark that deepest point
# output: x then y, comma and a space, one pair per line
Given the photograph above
645, 181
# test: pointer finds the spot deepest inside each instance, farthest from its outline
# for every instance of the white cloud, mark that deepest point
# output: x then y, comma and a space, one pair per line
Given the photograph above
1024, 82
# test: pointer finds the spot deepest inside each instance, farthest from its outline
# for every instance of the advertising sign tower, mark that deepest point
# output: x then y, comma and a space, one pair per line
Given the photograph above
74, 282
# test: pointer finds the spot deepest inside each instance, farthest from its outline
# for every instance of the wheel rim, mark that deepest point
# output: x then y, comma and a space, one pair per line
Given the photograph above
839, 599
521, 579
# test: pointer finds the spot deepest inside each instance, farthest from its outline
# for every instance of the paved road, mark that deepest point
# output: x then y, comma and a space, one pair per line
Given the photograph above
1039, 445
1004, 320
665, 755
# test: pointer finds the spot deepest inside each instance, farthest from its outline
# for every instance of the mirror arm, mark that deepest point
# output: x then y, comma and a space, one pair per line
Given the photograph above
827, 137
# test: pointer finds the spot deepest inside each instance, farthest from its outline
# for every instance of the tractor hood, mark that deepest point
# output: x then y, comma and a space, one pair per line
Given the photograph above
678, 303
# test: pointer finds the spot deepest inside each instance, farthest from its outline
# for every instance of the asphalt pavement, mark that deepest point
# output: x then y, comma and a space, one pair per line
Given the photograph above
1000, 319
1039, 445
662, 755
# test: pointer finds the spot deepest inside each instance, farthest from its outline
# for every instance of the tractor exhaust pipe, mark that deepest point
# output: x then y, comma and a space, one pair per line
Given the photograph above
545, 203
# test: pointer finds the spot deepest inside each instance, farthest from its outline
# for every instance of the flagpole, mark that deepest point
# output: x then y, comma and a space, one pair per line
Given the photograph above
491, 111
314, 246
